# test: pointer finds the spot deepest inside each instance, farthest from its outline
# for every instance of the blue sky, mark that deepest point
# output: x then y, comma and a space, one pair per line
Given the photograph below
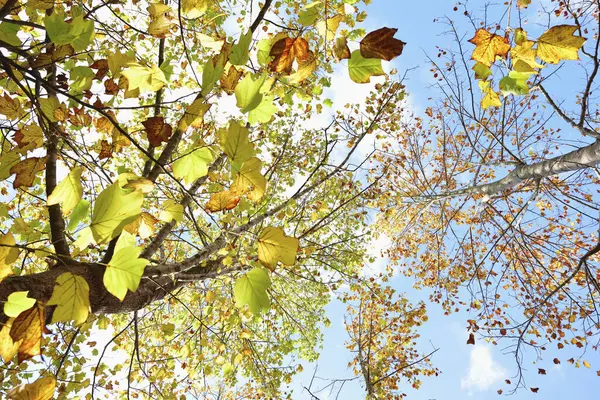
468, 372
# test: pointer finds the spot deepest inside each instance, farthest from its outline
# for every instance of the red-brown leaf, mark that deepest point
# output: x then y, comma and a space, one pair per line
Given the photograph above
381, 44
157, 131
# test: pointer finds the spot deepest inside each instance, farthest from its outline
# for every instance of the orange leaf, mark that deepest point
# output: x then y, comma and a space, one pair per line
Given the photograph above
26, 171
224, 200
488, 46
283, 51
28, 327
381, 44
157, 131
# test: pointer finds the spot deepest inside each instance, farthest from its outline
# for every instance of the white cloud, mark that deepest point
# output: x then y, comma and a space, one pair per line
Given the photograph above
483, 371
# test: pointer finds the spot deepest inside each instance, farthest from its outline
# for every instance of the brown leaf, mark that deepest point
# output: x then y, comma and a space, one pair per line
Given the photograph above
340, 49
157, 131
110, 87
499, 391
80, 117
507, 381
102, 68
28, 327
535, 390
221, 201
556, 361
301, 50
283, 51
230, 80
106, 151
471, 339
381, 44
503, 332
26, 171
541, 371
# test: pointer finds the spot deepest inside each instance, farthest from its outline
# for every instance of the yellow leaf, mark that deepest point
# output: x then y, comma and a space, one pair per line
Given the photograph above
10, 107
194, 115
558, 43
160, 22
586, 364
524, 57
488, 46
26, 171
8, 347
250, 180
144, 78
17, 302
27, 328
220, 201
194, 8
490, 97
8, 254
68, 191
42, 389
235, 142
329, 27
274, 246
171, 210
29, 137
71, 295
124, 271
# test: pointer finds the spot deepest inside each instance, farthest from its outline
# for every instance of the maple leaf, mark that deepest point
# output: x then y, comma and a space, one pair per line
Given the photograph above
157, 130
230, 79
42, 389
488, 46
381, 44
558, 43
10, 107
160, 22
274, 246
340, 48
26, 171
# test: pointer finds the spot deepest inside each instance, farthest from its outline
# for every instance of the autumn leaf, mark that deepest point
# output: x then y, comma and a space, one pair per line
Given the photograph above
9, 107
41, 389
381, 44
328, 27
160, 22
558, 43
283, 53
221, 201
524, 57
8, 347
488, 46
26, 171
535, 390
490, 97
143, 78
541, 371
29, 137
171, 211
68, 192
248, 92
28, 328
471, 339
274, 246
340, 48
157, 130
230, 79
194, 115
305, 69
71, 298
8, 254
249, 180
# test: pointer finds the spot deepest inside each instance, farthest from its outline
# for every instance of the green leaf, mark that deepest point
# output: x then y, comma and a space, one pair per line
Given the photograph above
124, 271
193, 165
251, 290
263, 53
247, 92
274, 245
310, 14
82, 78
17, 302
79, 213
235, 143
482, 71
68, 192
240, 52
362, 69
515, 83
143, 78
8, 32
263, 112
78, 33
171, 210
114, 208
48, 106
211, 73
71, 296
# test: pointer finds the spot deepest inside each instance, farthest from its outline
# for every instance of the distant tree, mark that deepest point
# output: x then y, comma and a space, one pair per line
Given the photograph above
491, 199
